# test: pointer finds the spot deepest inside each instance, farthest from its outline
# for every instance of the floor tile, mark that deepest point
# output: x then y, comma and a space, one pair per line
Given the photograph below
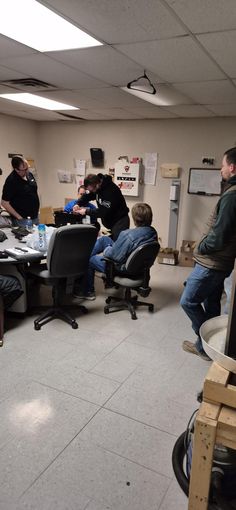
39, 423
103, 476
139, 443
174, 499
69, 377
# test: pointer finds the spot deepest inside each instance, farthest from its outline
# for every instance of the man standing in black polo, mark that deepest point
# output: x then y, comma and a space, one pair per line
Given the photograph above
20, 196
111, 205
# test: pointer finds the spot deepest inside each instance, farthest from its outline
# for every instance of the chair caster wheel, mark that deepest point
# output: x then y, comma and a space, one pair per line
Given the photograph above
37, 327
108, 300
134, 317
74, 325
151, 308
106, 310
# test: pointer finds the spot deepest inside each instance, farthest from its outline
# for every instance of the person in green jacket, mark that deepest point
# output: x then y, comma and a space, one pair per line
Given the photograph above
214, 256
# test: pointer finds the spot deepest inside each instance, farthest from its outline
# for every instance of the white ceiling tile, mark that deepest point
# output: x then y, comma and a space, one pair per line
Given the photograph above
223, 110
91, 115
102, 62
8, 74
222, 47
46, 69
175, 60
153, 113
73, 97
190, 111
206, 15
115, 98
118, 113
10, 48
209, 92
118, 21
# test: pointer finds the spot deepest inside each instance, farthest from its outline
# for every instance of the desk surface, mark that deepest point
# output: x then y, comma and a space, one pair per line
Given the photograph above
11, 242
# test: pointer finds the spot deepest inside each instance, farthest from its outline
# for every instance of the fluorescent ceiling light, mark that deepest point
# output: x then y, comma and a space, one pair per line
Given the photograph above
33, 24
165, 96
40, 102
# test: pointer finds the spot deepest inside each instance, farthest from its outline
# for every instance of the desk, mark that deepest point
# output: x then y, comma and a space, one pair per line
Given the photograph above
15, 267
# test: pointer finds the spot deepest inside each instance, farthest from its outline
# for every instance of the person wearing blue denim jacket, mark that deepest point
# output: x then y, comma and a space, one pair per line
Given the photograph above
119, 250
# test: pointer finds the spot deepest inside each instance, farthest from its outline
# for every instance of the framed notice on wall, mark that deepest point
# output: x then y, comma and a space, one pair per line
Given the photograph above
204, 181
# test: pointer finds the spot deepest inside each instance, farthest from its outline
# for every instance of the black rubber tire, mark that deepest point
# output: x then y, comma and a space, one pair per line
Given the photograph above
37, 327
108, 300
74, 325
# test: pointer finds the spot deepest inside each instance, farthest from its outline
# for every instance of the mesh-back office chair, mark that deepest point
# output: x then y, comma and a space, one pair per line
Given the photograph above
135, 277
67, 258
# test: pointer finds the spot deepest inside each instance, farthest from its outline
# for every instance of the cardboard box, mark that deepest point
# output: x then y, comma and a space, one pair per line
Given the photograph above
170, 258
186, 259
186, 253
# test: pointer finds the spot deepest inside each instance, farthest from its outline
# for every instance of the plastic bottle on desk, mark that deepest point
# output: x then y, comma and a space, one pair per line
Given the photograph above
42, 237
29, 224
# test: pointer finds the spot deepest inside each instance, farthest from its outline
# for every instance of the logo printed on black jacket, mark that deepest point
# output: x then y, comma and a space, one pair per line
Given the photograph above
104, 203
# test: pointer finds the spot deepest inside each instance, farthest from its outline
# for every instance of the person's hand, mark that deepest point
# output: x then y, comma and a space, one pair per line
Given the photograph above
75, 209
79, 210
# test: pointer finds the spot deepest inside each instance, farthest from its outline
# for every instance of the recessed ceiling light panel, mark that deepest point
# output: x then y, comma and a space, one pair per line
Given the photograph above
33, 24
40, 102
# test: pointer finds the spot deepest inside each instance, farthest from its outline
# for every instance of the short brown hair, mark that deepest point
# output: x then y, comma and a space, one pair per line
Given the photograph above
142, 215
91, 180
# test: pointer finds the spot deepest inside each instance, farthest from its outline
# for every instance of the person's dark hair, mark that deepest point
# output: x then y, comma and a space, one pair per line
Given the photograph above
231, 156
142, 215
80, 187
91, 180
17, 161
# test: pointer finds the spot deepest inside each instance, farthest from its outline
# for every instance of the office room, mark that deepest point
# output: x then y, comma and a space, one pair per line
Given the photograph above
90, 414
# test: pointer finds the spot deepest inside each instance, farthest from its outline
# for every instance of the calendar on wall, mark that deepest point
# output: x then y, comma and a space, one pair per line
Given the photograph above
127, 177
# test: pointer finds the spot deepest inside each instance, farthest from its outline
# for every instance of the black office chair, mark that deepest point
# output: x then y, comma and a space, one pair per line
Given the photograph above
67, 258
136, 277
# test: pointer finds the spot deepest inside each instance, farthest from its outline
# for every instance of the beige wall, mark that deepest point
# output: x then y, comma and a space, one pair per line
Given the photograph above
183, 141
16, 136
54, 145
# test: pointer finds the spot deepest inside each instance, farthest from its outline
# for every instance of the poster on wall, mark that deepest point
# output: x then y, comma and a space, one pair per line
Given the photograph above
127, 178
150, 168
32, 168
64, 176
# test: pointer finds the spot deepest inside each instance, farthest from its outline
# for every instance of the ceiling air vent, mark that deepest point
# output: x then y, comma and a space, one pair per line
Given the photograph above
28, 84
68, 116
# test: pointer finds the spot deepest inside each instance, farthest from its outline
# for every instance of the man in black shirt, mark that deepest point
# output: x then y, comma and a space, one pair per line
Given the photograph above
111, 205
20, 196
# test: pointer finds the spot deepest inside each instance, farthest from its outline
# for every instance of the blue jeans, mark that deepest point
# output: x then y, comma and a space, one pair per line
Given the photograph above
201, 297
96, 262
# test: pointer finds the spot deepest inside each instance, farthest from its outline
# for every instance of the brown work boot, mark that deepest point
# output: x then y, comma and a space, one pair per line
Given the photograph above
191, 347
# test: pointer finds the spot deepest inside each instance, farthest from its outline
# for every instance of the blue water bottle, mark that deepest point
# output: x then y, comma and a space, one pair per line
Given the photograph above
42, 237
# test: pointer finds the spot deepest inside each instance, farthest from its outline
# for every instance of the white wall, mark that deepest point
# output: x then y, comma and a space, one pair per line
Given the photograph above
184, 141
16, 136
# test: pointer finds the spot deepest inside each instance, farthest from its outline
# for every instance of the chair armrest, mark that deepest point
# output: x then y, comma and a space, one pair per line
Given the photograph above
109, 272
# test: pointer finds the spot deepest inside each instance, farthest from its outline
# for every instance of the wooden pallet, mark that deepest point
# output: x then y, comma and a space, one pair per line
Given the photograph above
215, 424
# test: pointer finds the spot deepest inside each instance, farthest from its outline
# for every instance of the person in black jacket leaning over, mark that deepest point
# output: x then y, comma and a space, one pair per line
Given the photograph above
214, 256
112, 208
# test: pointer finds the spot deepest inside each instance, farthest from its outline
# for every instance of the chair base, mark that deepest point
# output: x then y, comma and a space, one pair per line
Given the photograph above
57, 313
115, 304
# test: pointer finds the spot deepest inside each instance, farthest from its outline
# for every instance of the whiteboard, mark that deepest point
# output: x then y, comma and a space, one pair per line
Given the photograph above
204, 181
